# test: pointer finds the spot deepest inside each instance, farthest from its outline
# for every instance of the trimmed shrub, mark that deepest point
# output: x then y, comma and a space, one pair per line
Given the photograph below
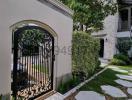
123, 58
98, 63
118, 62
85, 53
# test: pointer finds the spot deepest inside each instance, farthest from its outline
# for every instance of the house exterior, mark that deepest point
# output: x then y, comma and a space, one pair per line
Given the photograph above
115, 26
50, 16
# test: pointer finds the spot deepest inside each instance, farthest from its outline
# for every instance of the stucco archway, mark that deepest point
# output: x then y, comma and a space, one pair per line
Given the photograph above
36, 24
33, 22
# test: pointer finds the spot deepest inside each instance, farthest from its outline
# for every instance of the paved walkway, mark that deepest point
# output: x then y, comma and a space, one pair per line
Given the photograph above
125, 81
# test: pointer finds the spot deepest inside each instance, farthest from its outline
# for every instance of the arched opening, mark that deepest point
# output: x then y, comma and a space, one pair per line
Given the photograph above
33, 60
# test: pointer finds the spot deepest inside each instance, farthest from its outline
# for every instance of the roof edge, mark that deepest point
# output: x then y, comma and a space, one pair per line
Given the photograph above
60, 5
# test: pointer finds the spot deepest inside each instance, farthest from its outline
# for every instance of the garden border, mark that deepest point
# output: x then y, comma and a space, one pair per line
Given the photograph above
83, 83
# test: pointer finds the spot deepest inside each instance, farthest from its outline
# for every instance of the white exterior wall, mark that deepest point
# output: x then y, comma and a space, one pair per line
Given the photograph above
123, 34
109, 33
13, 11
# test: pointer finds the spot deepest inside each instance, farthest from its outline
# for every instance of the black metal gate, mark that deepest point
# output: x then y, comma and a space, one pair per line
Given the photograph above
33, 61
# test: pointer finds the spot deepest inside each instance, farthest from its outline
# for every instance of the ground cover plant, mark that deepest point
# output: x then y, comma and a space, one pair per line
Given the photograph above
121, 60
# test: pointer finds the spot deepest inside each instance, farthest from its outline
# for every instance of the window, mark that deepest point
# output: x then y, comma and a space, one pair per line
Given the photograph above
124, 15
131, 16
123, 22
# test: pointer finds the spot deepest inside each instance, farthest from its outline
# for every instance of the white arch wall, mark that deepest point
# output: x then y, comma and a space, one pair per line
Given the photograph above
13, 11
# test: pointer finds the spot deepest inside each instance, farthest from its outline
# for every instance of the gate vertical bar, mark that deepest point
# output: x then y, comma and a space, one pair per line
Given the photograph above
15, 61
53, 58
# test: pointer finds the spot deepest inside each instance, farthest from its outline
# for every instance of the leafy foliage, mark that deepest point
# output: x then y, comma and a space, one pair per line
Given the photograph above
123, 58
31, 36
30, 39
85, 53
123, 45
64, 87
91, 13
119, 62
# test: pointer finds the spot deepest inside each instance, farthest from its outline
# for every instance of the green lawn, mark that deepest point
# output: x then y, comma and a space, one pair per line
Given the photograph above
105, 78
41, 68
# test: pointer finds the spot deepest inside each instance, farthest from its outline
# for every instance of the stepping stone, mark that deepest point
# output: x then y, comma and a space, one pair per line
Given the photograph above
113, 91
103, 65
130, 74
112, 66
89, 95
129, 90
124, 83
56, 96
126, 77
118, 69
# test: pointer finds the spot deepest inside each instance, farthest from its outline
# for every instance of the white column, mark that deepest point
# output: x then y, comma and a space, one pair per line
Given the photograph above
5, 51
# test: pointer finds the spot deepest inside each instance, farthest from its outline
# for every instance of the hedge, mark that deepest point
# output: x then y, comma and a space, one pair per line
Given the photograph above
85, 53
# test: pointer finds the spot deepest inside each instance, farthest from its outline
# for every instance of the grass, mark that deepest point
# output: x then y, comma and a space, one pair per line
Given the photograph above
106, 78
41, 68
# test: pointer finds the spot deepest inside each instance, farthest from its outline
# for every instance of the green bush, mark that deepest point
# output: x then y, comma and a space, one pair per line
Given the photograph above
123, 45
118, 62
123, 58
85, 53
98, 63
64, 87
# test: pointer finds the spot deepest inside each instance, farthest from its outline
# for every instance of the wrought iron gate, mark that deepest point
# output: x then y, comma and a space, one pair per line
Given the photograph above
33, 51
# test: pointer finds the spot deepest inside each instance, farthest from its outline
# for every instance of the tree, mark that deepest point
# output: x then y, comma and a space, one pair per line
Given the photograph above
91, 13
30, 39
